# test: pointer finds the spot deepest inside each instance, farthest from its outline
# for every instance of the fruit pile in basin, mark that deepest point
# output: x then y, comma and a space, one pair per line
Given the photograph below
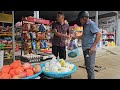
58, 68
16, 70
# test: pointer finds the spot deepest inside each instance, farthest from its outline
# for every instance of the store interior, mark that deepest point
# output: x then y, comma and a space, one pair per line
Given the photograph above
26, 35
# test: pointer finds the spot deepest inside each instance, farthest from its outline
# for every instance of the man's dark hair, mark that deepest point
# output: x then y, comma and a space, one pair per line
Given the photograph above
60, 13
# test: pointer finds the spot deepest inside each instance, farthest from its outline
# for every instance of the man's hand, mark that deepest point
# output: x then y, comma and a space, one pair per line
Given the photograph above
97, 39
67, 36
73, 37
92, 49
76, 37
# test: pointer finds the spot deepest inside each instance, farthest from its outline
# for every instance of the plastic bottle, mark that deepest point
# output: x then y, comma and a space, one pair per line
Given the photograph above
108, 43
112, 43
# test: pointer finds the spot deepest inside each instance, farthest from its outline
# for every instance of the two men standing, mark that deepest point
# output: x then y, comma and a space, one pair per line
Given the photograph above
90, 38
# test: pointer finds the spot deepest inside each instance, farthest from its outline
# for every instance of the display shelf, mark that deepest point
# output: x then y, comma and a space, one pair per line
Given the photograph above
18, 36
108, 38
19, 27
8, 58
6, 48
34, 33
7, 37
36, 20
5, 34
108, 34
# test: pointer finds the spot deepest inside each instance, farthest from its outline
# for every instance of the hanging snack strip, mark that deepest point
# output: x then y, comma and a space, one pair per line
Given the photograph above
34, 35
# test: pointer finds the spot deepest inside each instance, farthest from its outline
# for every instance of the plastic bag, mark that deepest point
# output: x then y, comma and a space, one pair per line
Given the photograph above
73, 49
72, 45
73, 53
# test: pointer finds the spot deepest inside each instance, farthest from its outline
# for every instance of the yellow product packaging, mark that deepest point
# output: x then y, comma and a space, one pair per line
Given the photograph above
29, 45
113, 43
26, 51
38, 45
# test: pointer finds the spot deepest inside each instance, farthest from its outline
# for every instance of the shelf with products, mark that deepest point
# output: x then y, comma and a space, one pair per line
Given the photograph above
8, 47
35, 35
5, 34
18, 37
108, 38
108, 34
6, 39
7, 58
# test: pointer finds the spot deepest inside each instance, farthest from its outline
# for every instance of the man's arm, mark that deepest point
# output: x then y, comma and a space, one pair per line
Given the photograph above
68, 30
97, 39
77, 37
54, 30
60, 34
95, 30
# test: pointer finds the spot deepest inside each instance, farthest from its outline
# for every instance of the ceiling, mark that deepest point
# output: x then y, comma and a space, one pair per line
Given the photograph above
51, 15
69, 15
72, 15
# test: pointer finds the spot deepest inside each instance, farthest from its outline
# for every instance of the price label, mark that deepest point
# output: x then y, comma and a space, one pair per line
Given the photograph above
1, 58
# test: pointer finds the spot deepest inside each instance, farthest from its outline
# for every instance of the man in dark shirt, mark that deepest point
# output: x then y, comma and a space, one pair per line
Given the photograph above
61, 31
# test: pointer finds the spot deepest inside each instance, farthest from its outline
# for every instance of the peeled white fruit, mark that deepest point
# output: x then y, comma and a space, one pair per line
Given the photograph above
50, 68
60, 69
52, 62
58, 65
67, 65
47, 64
62, 62
54, 58
61, 59
51, 65
71, 66
54, 69
63, 69
47, 69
